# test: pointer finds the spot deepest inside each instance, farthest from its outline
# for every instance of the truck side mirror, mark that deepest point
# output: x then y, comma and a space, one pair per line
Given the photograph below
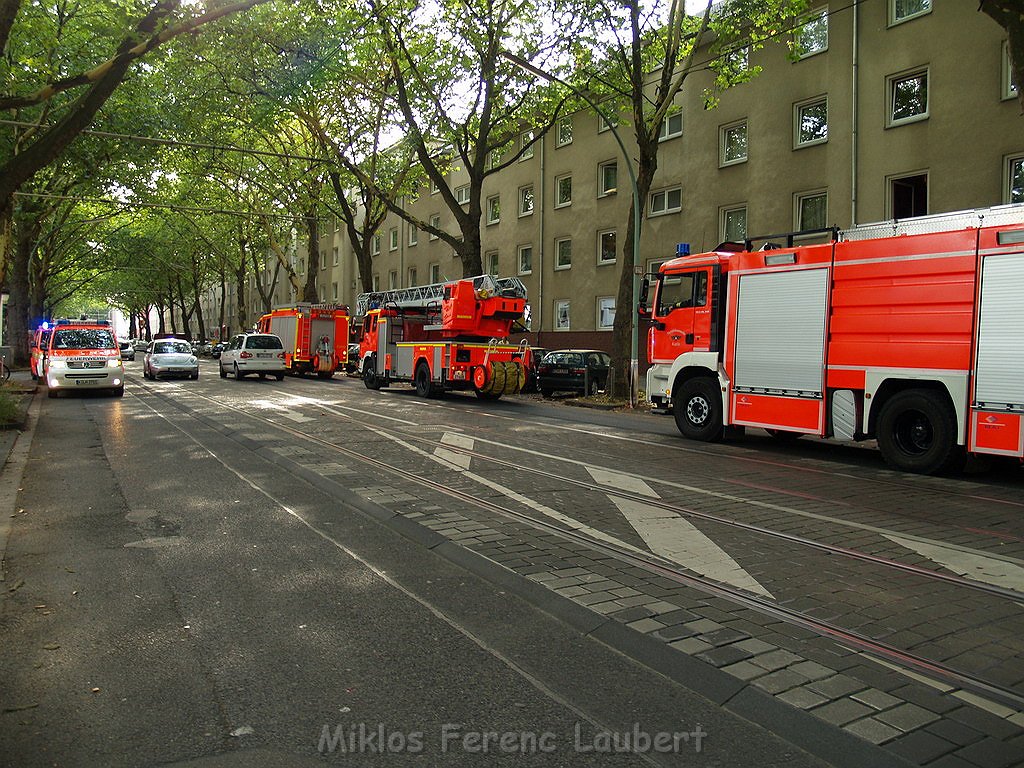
645, 286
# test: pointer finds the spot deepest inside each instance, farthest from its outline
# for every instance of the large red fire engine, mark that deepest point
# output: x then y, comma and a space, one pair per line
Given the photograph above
315, 336
909, 332
446, 336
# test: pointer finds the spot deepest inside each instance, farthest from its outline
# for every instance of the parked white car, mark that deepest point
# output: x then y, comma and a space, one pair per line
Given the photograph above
259, 353
170, 357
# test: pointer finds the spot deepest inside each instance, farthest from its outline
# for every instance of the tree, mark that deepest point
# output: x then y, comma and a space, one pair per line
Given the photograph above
1010, 16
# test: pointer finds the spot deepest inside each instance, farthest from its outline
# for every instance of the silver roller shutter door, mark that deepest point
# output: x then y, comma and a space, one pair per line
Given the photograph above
1000, 364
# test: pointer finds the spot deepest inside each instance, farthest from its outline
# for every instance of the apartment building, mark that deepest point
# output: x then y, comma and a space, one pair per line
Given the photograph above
895, 108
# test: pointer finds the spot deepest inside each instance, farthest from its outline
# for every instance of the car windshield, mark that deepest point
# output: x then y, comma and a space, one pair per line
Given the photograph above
170, 347
83, 338
263, 342
564, 358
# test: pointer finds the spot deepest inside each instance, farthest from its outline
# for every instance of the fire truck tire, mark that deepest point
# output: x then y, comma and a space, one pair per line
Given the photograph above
697, 407
370, 377
422, 380
917, 433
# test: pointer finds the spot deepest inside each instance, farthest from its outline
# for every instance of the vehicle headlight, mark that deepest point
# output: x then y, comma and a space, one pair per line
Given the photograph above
193, 361
55, 364
114, 363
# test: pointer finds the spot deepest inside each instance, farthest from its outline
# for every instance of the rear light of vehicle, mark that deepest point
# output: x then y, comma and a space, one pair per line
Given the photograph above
245, 355
280, 355
579, 371
543, 368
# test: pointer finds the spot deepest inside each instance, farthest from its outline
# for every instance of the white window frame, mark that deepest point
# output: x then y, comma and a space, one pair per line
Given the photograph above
671, 126
392, 279
894, 19
1009, 91
434, 272
493, 209
818, 15
601, 190
393, 239
560, 139
723, 138
663, 194
492, 263
558, 253
558, 182
602, 302
334, 291
336, 256
462, 194
414, 234
601, 261
723, 215
519, 259
798, 200
411, 277
891, 83
375, 282
435, 222
603, 124
1008, 164
527, 200
434, 188
798, 108
323, 260
526, 145
556, 323
375, 245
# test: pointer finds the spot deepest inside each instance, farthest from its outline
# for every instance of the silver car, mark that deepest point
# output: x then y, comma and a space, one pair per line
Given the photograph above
167, 358
259, 353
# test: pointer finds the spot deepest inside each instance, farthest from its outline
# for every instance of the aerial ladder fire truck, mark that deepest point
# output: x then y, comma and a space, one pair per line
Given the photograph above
445, 336
908, 332
315, 336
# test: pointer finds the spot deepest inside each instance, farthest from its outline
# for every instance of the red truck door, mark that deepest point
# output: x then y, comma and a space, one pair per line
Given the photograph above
684, 306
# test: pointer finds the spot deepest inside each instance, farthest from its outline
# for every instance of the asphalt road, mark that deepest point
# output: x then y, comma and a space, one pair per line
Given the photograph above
171, 597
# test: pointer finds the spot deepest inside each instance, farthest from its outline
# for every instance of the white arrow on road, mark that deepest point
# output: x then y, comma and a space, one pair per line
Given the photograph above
977, 567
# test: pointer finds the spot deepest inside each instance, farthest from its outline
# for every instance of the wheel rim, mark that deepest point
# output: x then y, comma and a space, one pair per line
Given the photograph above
697, 410
913, 433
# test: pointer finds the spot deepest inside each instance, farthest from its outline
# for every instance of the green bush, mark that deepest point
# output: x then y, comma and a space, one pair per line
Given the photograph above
8, 406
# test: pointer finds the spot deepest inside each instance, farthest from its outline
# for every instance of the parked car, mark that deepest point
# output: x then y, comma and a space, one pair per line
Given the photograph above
259, 353
573, 370
167, 358
352, 364
127, 350
217, 348
140, 345
536, 355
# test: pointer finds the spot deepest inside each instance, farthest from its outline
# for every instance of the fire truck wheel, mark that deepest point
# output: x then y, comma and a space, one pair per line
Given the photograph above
422, 380
697, 407
370, 377
917, 433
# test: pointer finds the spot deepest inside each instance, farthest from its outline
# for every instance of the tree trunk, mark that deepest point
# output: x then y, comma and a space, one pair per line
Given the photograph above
243, 314
18, 303
309, 292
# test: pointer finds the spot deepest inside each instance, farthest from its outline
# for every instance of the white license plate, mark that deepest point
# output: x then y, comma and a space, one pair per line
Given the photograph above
560, 371
263, 354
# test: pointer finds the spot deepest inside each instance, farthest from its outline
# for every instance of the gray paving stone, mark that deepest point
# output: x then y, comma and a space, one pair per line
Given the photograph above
837, 686
812, 669
951, 730
678, 632
572, 591
755, 646
871, 730
803, 698
724, 636
703, 626
645, 625
744, 670
776, 659
690, 645
921, 747
876, 699
635, 613
724, 655
992, 753
907, 717
593, 598
662, 606
842, 711
779, 681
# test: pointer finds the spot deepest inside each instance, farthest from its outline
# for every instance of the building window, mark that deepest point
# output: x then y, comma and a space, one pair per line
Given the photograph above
302, 265
393, 239
812, 36
608, 178
908, 97
903, 10
435, 273
564, 131
612, 120
337, 224
666, 201
392, 279
434, 188
335, 256
1014, 188
491, 263
525, 259
606, 247
323, 260
810, 123
1009, 86
414, 234
412, 278
733, 143
462, 195
671, 127
563, 191
734, 224
526, 200
908, 196
493, 209
812, 210
562, 315
376, 282
435, 222
526, 145
334, 291
605, 313
563, 253
375, 246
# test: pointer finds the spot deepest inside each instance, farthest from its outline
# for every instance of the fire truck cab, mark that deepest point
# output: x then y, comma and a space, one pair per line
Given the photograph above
907, 332
38, 345
446, 336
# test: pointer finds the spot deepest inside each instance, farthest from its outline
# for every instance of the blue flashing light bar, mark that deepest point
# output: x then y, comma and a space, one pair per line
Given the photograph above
683, 249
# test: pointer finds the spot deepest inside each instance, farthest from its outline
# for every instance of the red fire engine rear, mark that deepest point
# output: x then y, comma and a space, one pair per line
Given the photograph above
446, 336
315, 336
907, 332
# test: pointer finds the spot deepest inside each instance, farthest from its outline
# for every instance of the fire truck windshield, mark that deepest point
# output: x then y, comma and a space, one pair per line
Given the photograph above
681, 290
83, 338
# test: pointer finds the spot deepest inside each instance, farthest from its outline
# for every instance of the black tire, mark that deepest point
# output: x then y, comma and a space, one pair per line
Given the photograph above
119, 392
547, 393
697, 407
51, 392
422, 380
370, 377
917, 433
195, 376
221, 371
488, 395
325, 374
238, 374
279, 376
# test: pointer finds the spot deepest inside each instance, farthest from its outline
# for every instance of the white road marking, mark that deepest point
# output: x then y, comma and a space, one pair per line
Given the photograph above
970, 565
455, 457
622, 482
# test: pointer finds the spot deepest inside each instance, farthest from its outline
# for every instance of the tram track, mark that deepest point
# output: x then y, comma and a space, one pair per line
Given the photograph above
659, 566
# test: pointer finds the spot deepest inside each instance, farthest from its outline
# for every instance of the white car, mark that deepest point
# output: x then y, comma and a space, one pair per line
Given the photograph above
170, 357
259, 353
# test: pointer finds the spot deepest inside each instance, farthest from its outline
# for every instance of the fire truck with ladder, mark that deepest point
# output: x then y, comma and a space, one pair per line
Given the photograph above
908, 332
445, 336
315, 336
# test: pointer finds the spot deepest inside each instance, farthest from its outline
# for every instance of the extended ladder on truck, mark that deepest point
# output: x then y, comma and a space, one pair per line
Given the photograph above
422, 296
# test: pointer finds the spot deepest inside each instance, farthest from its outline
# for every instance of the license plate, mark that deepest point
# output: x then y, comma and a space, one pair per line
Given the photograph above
560, 371
263, 354
80, 382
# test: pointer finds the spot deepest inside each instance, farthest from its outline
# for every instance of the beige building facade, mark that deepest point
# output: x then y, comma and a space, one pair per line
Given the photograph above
895, 108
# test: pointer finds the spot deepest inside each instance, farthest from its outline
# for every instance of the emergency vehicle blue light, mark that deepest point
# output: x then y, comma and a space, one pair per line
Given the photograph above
683, 249
46, 326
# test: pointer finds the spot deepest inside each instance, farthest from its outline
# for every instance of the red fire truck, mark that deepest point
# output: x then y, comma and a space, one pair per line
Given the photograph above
315, 336
446, 336
909, 332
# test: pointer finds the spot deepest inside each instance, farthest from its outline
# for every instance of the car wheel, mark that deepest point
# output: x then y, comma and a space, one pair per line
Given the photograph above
51, 392
279, 376
119, 392
195, 376
547, 393
221, 371
238, 374
697, 407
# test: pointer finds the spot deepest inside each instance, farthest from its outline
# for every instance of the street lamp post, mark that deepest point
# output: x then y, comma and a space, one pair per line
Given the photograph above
634, 362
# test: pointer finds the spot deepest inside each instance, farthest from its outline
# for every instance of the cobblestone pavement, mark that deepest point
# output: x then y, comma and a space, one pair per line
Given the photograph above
621, 480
